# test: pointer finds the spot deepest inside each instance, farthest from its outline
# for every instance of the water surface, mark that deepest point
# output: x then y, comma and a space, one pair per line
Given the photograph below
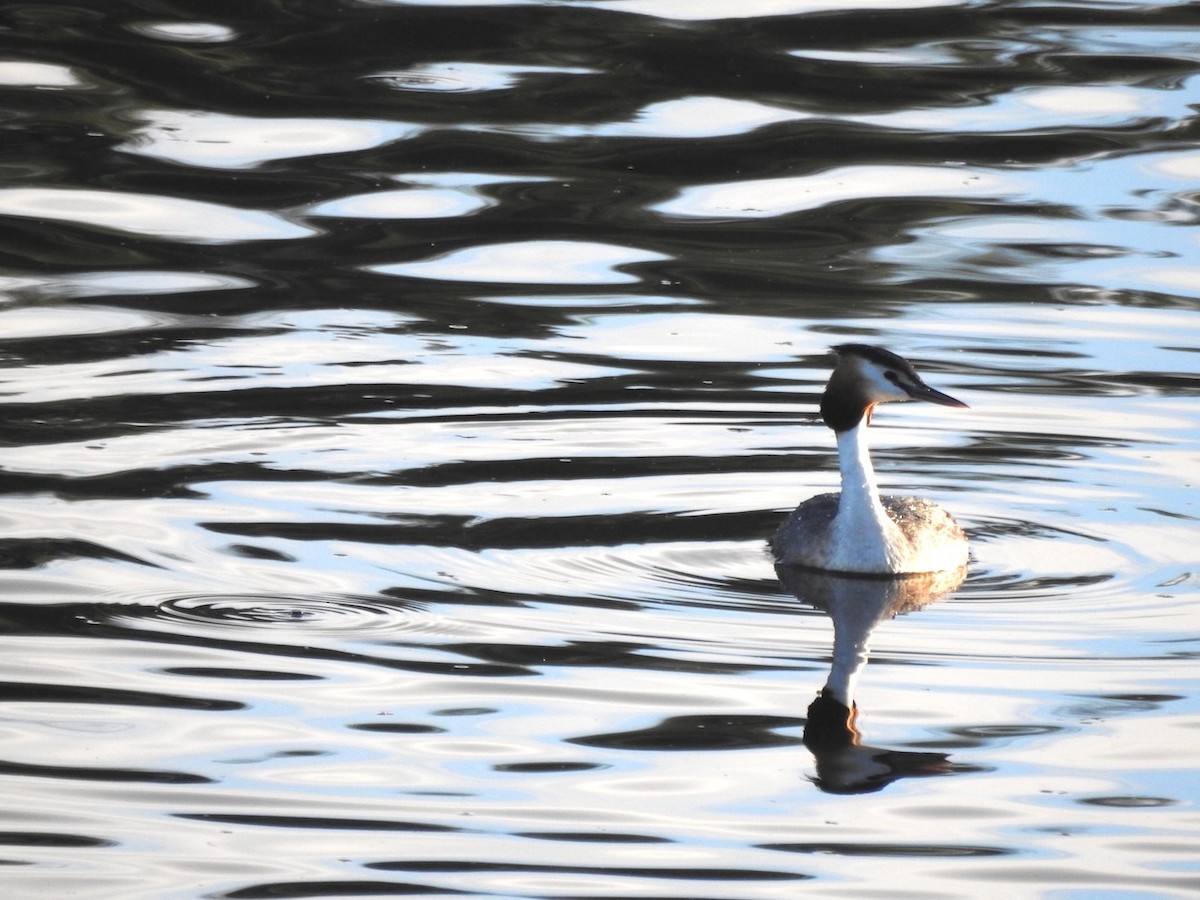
398, 398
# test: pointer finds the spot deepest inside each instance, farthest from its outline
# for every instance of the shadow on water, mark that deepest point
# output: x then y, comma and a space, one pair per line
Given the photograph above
857, 606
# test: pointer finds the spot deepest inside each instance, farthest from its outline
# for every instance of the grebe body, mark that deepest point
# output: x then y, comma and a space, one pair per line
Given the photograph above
857, 531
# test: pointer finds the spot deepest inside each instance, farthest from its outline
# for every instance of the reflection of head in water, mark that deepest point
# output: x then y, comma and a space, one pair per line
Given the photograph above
857, 606
845, 766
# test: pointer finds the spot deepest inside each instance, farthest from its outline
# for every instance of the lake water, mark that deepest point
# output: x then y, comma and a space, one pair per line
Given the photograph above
398, 397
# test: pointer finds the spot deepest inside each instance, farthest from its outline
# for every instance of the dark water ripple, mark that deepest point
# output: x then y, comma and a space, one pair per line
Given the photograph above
397, 397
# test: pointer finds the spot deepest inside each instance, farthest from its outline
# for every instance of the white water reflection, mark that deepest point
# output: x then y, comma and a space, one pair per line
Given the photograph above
1035, 108
116, 283
1184, 165
44, 76
924, 54
70, 321
1027, 109
779, 196
186, 32
468, 76
1107, 233
687, 117
680, 336
458, 2
699, 117
219, 141
424, 195
711, 10
295, 349
404, 203
531, 262
152, 215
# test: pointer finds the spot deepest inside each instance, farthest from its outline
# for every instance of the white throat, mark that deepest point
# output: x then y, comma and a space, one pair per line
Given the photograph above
865, 538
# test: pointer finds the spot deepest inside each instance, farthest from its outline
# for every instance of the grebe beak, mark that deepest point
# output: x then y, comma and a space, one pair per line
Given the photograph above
922, 391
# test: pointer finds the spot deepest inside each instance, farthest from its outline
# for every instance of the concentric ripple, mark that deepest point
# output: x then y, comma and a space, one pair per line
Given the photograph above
288, 618
722, 574
321, 614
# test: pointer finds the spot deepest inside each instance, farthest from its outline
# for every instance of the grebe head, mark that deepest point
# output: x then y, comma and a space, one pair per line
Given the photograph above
866, 375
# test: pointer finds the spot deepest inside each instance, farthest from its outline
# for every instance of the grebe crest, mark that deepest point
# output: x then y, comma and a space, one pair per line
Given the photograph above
857, 531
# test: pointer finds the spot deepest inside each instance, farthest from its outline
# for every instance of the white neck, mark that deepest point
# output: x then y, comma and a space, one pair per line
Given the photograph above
866, 539
858, 476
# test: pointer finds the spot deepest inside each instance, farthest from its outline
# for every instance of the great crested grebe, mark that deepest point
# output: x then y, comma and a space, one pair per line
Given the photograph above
858, 531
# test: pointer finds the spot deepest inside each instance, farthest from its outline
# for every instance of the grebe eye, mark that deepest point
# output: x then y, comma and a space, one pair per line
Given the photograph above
891, 376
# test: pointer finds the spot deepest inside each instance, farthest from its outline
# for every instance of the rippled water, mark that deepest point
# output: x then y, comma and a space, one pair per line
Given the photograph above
397, 398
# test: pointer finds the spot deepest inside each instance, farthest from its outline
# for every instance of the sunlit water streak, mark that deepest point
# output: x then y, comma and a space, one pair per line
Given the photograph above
398, 397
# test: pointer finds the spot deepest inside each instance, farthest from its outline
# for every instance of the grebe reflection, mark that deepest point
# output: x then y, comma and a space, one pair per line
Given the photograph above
857, 606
